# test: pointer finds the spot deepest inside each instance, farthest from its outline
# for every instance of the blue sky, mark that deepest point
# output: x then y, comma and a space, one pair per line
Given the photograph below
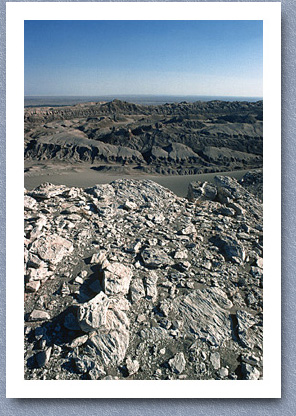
219, 58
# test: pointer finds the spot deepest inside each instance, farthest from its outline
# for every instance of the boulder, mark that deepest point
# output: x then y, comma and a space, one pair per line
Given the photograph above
92, 315
117, 279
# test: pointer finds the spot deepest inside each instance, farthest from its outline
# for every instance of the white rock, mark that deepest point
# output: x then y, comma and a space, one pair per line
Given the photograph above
92, 315
129, 205
78, 341
29, 202
117, 279
132, 366
33, 286
151, 288
137, 290
38, 315
52, 248
215, 360
178, 363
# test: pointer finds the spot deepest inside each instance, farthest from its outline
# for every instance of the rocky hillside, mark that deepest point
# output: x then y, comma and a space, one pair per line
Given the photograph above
129, 281
201, 136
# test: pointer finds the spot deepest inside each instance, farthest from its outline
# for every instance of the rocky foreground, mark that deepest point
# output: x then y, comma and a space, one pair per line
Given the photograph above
129, 281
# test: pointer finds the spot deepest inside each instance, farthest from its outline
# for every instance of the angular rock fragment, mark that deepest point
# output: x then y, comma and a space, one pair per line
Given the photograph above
181, 254
111, 347
29, 202
34, 274
33, 286
117, 279
249, 334
132, 366
38, 315
130, 206
52, 248
230, 247
178, 363
202, 315
48, 190
103, 192
77, 342
260, 262
201, 191
250, 372
155, 258
215, 360
189, 229
226, 211
92, 315
151, 288
137, 290
84, 364
98, 258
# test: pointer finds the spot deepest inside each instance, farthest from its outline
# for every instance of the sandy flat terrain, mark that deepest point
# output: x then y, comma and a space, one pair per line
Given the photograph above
82, 175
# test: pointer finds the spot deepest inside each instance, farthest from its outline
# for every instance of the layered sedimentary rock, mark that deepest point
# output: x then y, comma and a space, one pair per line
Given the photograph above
177, 138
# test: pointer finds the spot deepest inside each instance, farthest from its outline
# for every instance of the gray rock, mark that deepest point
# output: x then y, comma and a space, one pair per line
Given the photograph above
111, 347
39, 315
52, 248
137, 290
42, 357
178, 363
260, 262
29, 202
202, 315
151, 288
84, 363
223, 372
201, 191
77, 342
117, 279
33, 286
188, 230
93, 314
132, 366
98, 258
226, 211
130, 206
155, 258
250, 372
215, 360
48, 190
181, 254
97, 373
230, 247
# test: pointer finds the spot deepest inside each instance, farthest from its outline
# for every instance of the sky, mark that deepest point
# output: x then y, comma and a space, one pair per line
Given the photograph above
92, 58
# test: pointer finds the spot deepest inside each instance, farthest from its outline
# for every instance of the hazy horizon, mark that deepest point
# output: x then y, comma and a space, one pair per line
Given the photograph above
146, 99
103, 58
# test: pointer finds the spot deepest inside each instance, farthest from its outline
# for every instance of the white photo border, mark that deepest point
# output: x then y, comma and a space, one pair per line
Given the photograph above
270, 14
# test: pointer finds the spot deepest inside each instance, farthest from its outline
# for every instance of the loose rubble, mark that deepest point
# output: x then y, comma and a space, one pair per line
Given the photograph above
129, 281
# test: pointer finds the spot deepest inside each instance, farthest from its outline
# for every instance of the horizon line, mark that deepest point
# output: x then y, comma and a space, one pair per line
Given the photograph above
146, 95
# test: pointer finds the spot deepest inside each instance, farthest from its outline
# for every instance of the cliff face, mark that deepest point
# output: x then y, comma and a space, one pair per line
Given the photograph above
149, 135
129, 281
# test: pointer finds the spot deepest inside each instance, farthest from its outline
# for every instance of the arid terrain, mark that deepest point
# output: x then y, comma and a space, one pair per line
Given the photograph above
183, 138
127, 279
